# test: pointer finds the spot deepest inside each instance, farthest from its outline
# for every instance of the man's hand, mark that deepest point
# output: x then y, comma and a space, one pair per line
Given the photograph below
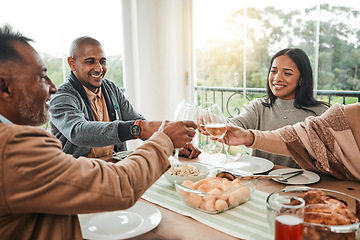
189, 151
180, 132
148, 128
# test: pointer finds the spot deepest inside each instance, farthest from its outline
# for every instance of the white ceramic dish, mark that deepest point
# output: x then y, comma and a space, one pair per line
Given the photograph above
203, 174
132, 222
307, 177
255, 165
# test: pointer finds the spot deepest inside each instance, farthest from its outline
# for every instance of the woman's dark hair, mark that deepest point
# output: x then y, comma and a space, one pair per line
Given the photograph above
304, 92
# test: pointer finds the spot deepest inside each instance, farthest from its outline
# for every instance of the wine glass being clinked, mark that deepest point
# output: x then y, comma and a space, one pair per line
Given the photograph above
209, 146
215, 125
184, 111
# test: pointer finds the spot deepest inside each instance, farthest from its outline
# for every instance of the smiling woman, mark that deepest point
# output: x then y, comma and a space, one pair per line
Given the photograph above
289, 99
284, 78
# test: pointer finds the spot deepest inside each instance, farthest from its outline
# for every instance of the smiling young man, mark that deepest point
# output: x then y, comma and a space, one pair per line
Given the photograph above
88, 62
42, 188
89, 114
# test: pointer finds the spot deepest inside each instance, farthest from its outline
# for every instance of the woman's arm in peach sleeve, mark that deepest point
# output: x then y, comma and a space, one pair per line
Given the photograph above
269, 141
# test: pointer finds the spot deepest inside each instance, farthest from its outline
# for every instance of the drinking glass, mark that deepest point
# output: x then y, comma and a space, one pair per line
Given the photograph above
289, 217
215, 125
210, 145
184, 111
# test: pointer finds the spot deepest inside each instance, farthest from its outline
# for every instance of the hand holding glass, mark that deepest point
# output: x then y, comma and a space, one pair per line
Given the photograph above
184, 111
210, 146
215, 125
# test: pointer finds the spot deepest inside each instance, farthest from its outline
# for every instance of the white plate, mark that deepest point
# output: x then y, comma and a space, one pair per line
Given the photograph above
307, 177
255, 165
132, 222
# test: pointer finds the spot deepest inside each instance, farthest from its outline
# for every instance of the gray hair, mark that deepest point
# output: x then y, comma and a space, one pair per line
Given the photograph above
7, 50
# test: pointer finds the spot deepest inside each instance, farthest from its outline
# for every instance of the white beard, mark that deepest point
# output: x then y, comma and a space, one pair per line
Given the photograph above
32, 116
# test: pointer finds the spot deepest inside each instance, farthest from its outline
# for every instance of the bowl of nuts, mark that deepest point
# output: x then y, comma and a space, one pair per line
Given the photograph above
186, 171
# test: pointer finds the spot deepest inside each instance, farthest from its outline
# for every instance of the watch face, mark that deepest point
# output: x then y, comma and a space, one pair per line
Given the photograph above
135, 130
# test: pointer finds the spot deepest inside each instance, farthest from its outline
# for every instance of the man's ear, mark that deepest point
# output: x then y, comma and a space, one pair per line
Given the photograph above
71, 62
4, 87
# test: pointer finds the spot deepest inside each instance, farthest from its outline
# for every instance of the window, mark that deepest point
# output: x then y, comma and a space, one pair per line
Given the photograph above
235, 40
53, 25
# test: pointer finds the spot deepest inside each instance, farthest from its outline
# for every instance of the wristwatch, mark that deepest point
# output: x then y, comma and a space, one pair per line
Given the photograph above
135, 129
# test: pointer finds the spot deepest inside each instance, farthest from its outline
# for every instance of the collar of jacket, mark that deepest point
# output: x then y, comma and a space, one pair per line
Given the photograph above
79, 87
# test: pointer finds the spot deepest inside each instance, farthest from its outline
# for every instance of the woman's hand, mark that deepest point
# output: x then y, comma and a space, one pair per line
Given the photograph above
237, 136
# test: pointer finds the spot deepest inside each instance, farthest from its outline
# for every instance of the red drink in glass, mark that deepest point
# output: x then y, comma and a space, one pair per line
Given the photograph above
288, 227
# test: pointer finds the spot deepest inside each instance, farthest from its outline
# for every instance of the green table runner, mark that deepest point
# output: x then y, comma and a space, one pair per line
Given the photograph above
246, 221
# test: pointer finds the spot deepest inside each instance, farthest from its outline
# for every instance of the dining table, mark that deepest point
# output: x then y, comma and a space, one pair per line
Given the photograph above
178, 225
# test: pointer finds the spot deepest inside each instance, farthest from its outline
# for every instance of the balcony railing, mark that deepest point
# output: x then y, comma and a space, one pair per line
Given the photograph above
231, 99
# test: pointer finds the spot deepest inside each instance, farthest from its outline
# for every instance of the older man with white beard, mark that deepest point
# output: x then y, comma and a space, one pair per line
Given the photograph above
42, 188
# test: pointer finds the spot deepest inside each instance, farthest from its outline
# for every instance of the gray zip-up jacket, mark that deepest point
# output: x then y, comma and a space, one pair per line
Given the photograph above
72, 118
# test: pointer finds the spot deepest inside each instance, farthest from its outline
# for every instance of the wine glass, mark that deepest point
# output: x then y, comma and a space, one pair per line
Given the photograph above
210, 146
184, 111
215, 125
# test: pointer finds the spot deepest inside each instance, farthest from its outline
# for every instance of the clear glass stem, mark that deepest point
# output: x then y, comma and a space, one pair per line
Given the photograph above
229, 161
210, 146
224, 149
211, 143
176, 156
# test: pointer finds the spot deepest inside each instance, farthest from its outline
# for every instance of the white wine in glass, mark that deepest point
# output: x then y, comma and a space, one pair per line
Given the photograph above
217, 130
215, 124
210, 146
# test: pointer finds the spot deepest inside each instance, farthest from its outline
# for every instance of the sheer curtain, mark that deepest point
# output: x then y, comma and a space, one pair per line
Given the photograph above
157, 55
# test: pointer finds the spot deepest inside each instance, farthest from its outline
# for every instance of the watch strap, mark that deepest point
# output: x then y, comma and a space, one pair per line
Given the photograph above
137, 123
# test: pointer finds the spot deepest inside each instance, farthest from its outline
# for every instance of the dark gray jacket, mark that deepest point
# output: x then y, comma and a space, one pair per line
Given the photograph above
72, 118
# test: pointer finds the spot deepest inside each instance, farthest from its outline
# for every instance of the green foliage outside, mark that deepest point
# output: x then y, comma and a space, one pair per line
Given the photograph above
271, 30
55, 69
268, 32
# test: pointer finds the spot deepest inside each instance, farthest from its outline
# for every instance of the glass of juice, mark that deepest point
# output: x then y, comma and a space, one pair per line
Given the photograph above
289, 218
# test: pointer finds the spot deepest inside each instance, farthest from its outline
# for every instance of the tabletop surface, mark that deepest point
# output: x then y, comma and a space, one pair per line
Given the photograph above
180, 227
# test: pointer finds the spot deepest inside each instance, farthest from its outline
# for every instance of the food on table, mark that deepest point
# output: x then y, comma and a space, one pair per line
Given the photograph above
184, 171
326, 210
220, 195
323, 209
193, 199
